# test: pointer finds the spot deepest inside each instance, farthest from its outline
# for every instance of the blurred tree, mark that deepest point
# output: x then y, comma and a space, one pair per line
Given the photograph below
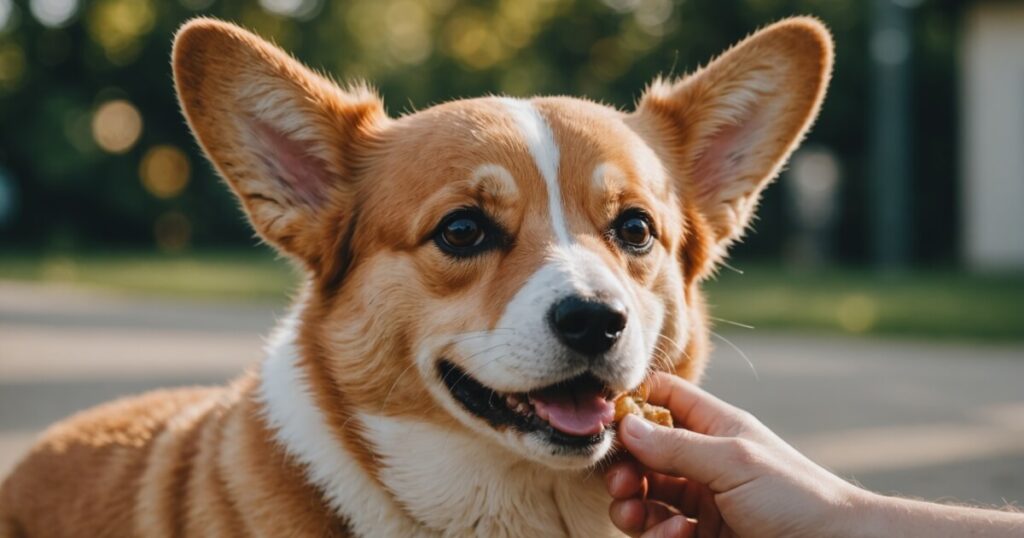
64, 61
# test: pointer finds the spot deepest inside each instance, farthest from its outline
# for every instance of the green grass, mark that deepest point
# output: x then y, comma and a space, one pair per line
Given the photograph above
252, 275
931, 304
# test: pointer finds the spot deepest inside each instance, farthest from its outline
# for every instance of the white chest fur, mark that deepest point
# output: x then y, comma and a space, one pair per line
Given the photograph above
461, 486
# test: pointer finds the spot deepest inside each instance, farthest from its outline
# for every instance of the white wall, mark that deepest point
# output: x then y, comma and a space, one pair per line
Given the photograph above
993, 137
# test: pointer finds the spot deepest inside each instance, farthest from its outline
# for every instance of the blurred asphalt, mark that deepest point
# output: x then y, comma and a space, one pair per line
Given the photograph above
929, 420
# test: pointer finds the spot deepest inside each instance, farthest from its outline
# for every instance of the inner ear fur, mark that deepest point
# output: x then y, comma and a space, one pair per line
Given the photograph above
727, 129
285, 138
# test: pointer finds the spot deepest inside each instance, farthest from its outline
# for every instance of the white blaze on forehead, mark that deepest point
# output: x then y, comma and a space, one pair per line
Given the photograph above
541, 143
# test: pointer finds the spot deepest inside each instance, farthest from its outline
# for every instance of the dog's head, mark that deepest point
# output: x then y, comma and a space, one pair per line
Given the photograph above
500, 265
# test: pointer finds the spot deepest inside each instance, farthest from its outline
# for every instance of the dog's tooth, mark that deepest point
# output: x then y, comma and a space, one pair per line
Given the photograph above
512, 400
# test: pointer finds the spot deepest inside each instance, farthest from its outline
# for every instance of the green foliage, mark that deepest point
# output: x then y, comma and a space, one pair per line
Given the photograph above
72, 193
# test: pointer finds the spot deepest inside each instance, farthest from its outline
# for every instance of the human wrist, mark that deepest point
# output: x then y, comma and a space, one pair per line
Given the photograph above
858, 513
872, 515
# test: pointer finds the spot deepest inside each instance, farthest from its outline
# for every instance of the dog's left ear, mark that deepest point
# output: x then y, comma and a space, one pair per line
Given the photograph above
725, 131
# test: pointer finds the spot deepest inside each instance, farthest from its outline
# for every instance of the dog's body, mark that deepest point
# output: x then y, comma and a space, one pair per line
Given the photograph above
483, 277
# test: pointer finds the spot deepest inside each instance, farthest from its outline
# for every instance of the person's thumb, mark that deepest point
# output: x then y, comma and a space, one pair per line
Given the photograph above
675, 451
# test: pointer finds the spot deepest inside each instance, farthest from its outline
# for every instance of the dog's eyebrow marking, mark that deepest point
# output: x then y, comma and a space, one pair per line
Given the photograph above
648, 166
608, 178
541, 143
495, 179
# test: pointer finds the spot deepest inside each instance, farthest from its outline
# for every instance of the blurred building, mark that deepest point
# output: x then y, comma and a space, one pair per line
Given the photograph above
992, 57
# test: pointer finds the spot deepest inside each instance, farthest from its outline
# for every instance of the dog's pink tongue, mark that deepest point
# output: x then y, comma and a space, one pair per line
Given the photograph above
575, 412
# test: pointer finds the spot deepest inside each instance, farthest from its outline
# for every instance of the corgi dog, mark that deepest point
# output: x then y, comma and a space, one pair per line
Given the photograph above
483, 277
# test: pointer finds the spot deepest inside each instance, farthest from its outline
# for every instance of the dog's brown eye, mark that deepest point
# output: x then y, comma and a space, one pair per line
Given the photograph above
634, 231
468, 232
462, 233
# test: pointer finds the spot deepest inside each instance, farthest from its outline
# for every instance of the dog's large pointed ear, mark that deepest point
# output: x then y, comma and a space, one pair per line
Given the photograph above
284, 137
726, 130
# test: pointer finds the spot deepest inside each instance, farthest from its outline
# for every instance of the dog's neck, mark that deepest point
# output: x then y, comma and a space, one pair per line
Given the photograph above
430, 480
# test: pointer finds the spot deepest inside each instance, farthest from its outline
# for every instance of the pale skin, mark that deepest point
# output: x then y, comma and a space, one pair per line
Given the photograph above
724, 474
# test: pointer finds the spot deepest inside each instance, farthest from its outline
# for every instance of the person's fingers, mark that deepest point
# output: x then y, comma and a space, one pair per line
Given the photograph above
683, 453
673, 527
624, 479
628, 515
709, 519
634, 516
656, 513
665, 488
692, 408
682, 494
691, 498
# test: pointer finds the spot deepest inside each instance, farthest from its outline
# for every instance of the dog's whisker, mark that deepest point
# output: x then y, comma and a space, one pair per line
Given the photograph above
738, 350
729, 267
465, 373
394, 385
733, 323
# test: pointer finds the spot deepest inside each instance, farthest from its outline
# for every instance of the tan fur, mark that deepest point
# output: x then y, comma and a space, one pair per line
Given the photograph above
357, 211
161, 464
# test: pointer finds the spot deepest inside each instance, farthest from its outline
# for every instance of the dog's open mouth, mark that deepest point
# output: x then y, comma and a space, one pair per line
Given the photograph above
574, 412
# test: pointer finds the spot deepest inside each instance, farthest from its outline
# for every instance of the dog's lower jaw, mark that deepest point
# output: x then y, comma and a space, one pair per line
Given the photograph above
429, 480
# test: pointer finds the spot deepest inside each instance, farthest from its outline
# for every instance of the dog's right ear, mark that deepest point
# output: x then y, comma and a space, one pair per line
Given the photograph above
285, 138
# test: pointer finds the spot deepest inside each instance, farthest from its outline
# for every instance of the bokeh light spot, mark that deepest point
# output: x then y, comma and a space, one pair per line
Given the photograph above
299, 9
172, 232
857, 313
652, 14
6, 13
471, 41
116, 126
53, 13
164, 171
408, 40
12, 65
118, 26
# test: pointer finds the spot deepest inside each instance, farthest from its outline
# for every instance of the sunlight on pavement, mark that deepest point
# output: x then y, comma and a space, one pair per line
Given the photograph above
37, 352
911, 446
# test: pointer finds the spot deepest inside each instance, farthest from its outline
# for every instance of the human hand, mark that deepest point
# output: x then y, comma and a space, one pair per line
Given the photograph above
721, 467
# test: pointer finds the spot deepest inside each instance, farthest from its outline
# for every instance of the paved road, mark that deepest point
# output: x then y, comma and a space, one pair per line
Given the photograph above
926, 420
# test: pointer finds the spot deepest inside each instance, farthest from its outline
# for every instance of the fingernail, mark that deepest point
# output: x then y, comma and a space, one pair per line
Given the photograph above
637, 428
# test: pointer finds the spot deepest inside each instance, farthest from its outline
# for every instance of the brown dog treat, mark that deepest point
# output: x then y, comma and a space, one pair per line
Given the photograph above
626, 405
635, 404
658, 415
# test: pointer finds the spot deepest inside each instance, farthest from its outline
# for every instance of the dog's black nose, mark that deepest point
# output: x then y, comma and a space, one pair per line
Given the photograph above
588, 326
